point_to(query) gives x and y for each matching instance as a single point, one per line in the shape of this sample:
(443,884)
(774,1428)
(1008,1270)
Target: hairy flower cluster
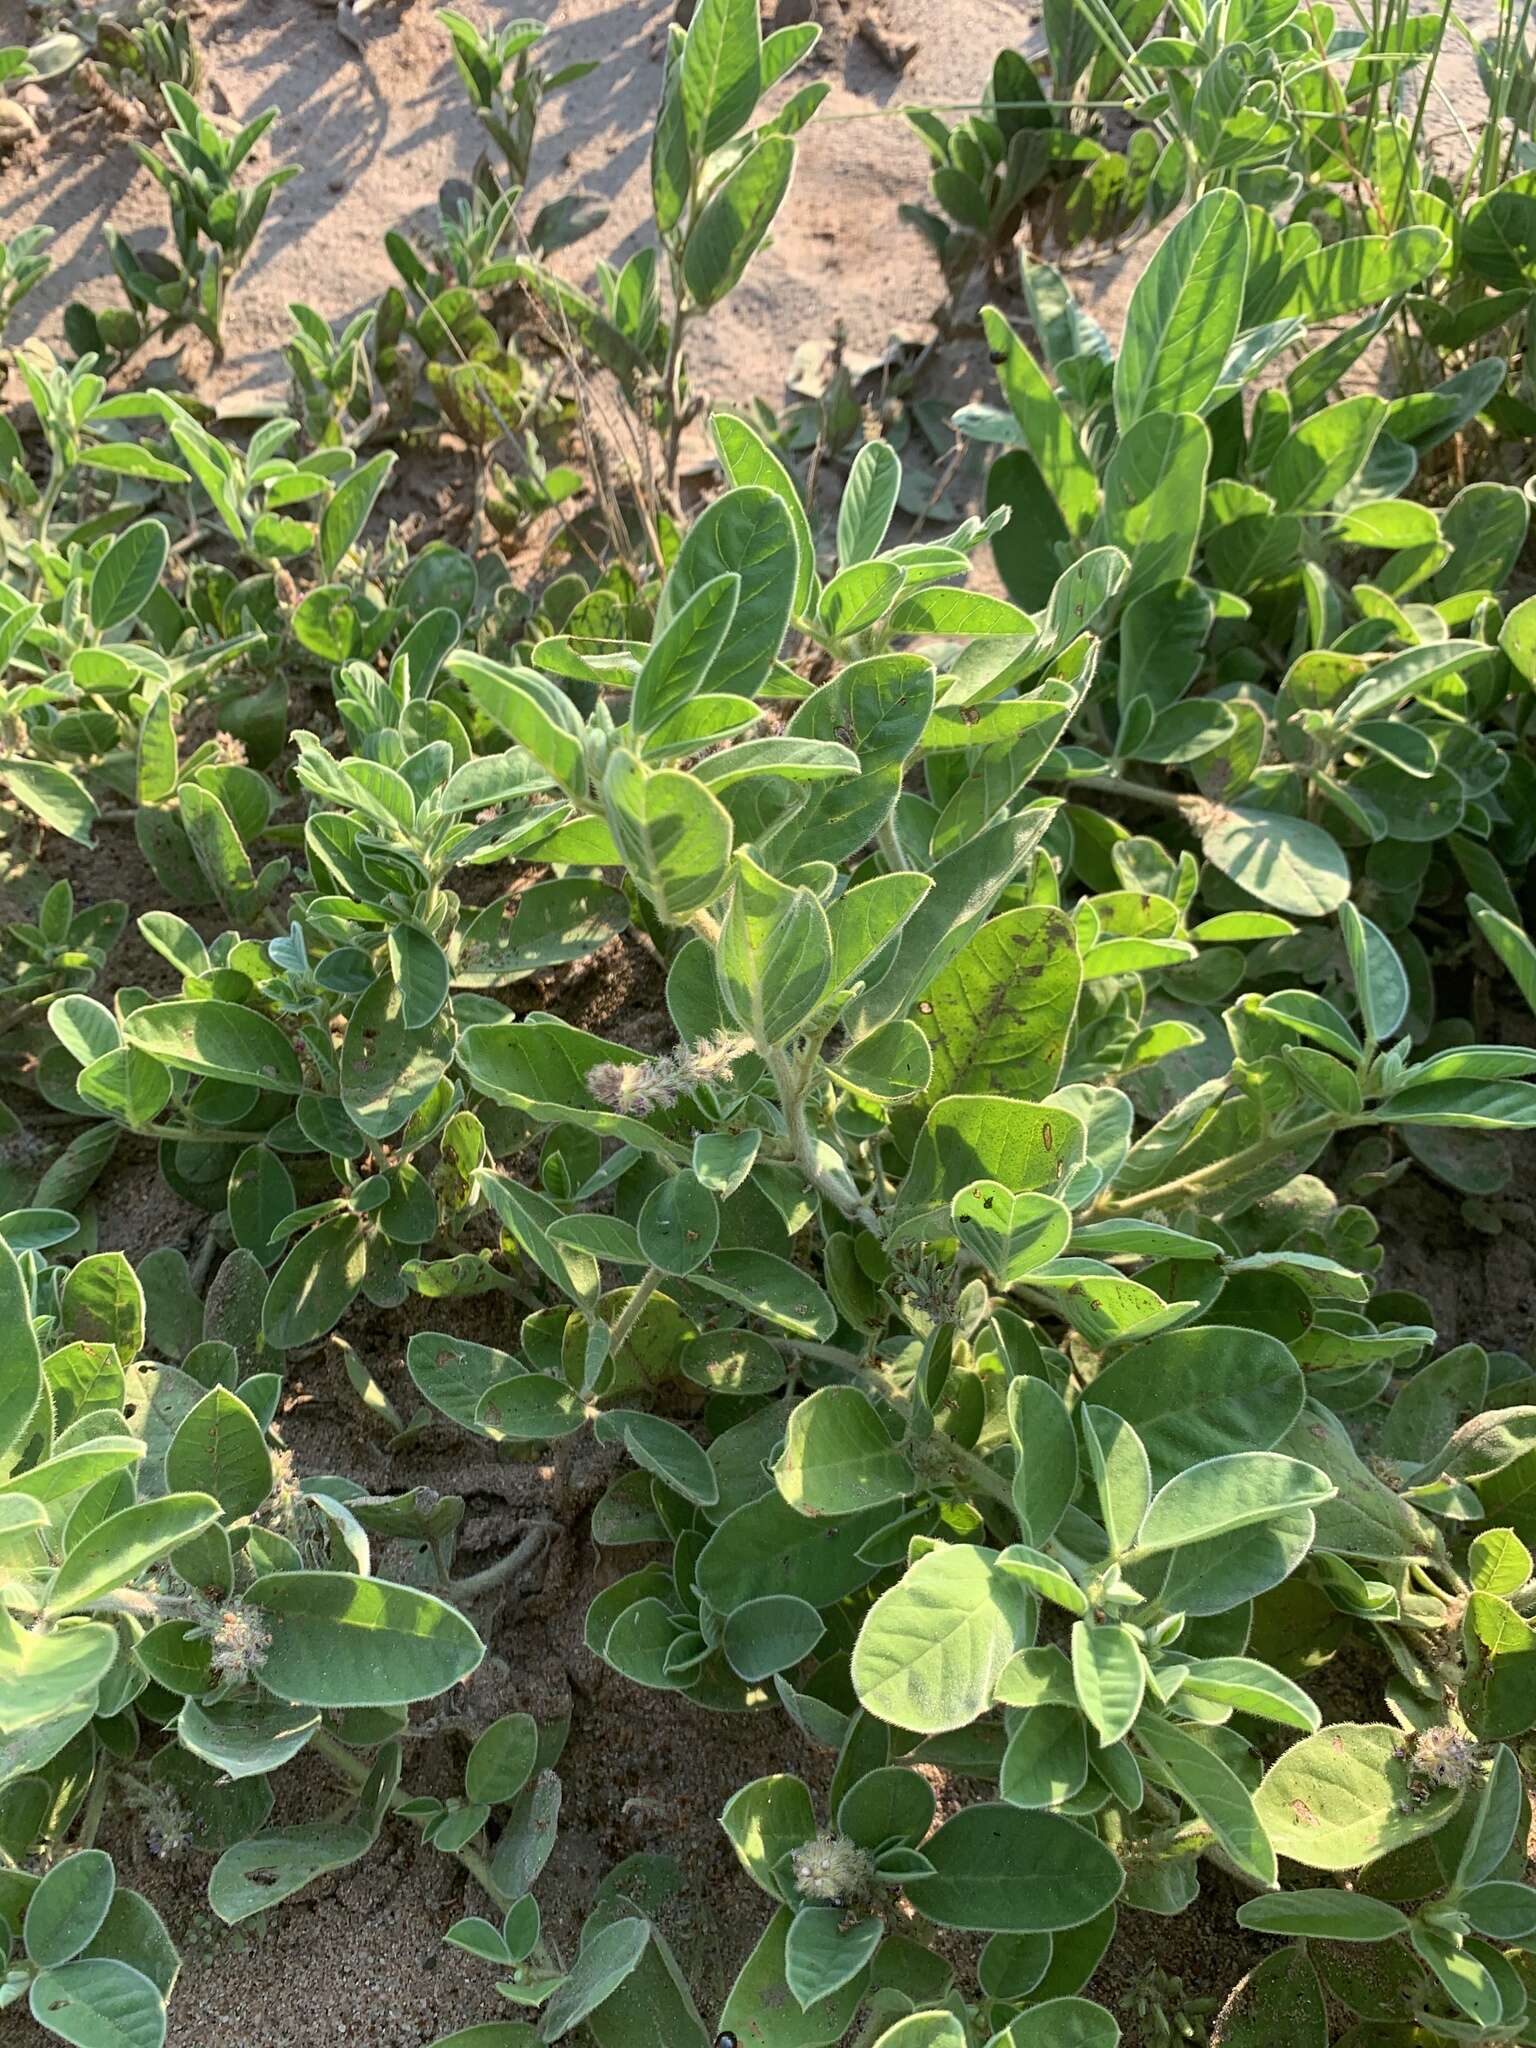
(659,1083)
(168,1827)
(1444,1756)
(280,1508)
(239,1637)
(830,1868)
(933,1286)
(230,751)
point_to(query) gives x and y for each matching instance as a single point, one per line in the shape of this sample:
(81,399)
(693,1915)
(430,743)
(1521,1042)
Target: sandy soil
(378,130)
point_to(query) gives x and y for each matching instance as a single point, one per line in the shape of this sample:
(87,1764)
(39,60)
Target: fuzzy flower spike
(659,1083)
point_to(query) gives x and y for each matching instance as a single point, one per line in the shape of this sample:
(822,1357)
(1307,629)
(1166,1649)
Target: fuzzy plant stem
(535,1538)
(802,1138)
(890,845)
(1120,785)
(23,1013)
(202,1264)
(671,378)
(95,1804)
(45,511)
(147,1607)
(1205,1179)
(151,1134)
(672,371)
(634,1308)
(824,1354)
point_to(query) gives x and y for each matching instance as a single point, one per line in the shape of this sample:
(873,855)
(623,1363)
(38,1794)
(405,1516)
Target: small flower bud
(1444,1756)
(831,1868)
(240,1640)
(168,1828)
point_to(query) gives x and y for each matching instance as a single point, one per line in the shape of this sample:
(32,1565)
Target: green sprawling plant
(61,954)
(507,106)
(1325,659)
(214,223)
(1005,1373)
(183,1614)
(971,1285)
(1017,152)
(716,186)
(24,263)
